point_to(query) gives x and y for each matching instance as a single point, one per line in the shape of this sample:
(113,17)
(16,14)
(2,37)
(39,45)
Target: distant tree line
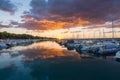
(6,35)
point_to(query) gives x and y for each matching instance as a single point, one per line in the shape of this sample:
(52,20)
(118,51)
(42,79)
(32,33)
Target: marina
(59,39)
(92,47)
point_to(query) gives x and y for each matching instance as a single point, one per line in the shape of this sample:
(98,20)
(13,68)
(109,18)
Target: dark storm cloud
(86,9)
(7,6)
(94,11)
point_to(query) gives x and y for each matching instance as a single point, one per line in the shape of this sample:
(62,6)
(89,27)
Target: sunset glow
(52,19)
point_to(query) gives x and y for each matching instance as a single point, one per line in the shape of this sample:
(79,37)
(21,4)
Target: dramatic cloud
(45,24)
(7,6)
(56,14)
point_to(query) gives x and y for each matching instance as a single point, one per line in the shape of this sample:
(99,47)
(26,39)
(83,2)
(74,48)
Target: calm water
(49,61)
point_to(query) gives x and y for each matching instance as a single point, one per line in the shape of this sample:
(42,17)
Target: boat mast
(103,34)
(113,35)
(83,34)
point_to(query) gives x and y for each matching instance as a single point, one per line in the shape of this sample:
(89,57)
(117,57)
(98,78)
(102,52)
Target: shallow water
(49,61)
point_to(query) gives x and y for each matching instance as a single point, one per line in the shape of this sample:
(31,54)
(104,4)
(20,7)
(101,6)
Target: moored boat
(117,56)
(108,48)
(3,45)
(72,46)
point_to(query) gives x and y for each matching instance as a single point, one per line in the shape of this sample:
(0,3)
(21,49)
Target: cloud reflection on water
(48,50)
(49,61)
(42,50)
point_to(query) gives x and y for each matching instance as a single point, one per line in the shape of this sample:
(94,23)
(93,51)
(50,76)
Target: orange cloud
(45,24)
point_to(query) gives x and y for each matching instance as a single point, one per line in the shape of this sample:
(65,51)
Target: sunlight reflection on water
(47,50)
(41,50)
(49,61)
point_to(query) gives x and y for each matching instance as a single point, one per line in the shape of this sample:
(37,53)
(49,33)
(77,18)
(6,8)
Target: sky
(61,18)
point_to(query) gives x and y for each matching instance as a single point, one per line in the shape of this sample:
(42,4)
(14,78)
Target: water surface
(49,61)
